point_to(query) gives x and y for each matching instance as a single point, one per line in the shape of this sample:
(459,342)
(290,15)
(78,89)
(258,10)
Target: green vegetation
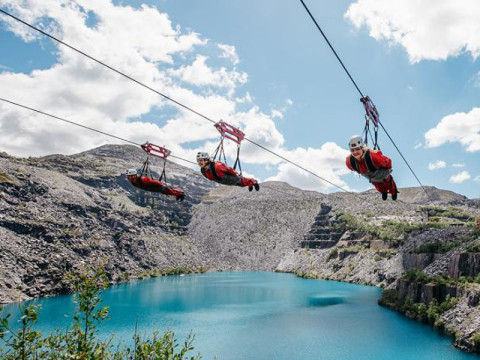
(389,297)
(353,249)
(71,232)
(418,276)
(4,178)
(80,341)
(451,212)
(173,270)
(476,338)
(474,247)
(436,247)
(389,230)
(429,313)
(306,274)
(332,254)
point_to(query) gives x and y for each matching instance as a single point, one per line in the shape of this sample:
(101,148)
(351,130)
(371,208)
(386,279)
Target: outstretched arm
(380,160)
(349,165)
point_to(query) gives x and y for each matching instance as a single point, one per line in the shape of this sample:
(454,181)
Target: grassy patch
(389,230)
(4,178)
(436,247)
(450,212)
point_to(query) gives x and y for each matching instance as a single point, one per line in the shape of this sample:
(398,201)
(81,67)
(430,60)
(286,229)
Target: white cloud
(278,113)
(427,29)
(460,177)
(199,74)
(477,178)
(459,127)
(438,164)
(229,52)
(328,162)
(458,165)
(247,99)
(418,145)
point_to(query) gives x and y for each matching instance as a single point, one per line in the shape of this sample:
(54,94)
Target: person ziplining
(373,115)
(371,163)
(218,171)
(143,179)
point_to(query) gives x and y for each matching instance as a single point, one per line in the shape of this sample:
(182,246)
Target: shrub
(333,253)
(389,297)
(476,338)
(390,230)
(436,247)
(415,275)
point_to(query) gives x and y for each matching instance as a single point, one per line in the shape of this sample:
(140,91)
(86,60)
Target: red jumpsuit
(226,175)
(381,178)
(148,184)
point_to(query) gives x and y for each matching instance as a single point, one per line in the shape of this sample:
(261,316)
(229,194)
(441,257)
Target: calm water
(263,316)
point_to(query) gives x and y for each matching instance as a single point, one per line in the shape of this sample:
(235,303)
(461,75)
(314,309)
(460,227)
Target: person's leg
(248,182)
(382,187)
(393,188)
(231,180)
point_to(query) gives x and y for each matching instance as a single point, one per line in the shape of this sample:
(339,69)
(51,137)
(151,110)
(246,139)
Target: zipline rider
(145,182)
(373,165)
(223,174)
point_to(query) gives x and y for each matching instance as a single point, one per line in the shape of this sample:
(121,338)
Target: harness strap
(211,167)
(368,161)
(163,175)
(353,162)
(237,161)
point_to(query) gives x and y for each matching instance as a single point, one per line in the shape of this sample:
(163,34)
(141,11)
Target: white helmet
(131,172)
(202,155)
(356,141)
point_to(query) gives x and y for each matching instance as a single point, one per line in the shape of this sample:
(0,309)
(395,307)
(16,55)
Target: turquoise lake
(259,315)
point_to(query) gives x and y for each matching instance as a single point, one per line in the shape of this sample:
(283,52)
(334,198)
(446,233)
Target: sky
(260,65)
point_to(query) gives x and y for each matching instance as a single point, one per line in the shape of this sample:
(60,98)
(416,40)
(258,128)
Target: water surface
(256,315)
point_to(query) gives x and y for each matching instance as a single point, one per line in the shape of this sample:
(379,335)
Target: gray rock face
(252,231)
(57,212)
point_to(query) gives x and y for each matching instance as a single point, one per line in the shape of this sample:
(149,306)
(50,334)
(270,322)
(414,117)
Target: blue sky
(418,70)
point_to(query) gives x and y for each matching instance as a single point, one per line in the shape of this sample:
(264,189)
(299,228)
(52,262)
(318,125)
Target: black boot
(384,195)
(257,186)
(394,195)
(395,192)
(250,188)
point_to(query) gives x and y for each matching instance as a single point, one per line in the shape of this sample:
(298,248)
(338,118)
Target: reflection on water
(325,300)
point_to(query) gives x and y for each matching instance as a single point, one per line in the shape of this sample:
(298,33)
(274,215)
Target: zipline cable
(113,136)
(361,94)
(331,47)
(106,65)
(83,126)
(168,98)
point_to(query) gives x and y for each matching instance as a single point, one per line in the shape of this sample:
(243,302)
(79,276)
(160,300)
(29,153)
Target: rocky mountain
(57,212)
